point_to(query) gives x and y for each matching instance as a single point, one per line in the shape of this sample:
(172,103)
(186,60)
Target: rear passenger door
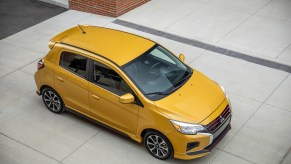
(71,82)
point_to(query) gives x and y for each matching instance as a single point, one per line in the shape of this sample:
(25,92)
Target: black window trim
(89,73)
(87,64)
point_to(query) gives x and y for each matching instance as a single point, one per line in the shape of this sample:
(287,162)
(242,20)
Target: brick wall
(113,8)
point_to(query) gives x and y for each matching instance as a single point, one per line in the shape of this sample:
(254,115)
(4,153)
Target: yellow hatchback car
(135,86)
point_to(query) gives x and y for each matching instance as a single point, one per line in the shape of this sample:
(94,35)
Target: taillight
(40,64)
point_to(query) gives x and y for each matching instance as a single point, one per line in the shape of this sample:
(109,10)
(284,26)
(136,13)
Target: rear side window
(74,63)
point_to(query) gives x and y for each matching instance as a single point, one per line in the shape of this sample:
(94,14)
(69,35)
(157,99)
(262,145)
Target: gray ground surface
(261,124)
(17,15)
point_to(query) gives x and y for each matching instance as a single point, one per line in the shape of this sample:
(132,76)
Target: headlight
(187,128)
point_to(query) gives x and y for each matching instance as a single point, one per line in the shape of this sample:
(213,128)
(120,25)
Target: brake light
(40,64)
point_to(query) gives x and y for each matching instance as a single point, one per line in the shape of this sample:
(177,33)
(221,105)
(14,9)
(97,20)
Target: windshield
(157,72)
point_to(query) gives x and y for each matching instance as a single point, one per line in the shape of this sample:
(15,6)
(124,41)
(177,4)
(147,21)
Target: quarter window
(108,79)
(74,63)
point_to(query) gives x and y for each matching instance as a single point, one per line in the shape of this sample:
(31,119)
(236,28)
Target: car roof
(118,46)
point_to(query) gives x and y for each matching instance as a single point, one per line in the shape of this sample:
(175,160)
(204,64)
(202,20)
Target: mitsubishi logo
(221,119)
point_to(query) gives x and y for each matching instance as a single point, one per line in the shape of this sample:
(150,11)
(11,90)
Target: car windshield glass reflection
(157,72)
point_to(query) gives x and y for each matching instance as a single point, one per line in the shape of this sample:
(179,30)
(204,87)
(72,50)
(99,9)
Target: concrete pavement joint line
(221,150)
(13,101)
(281,108)
(251,15)
(285,156)
(29,147)
(81,145)
(24,47)
(262,104)
(283,51)
(19,69)
(238,156)
(195,58)
(286,110)
(209,47)
(215,156)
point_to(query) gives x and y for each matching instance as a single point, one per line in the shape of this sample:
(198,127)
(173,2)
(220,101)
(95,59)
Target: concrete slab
(95,20)
(158,15)
(224,157)
(14,86)
(243,109)
(209,23)
(67,18)
(281,97)
(279,9)
(16,57)
(260,35)
(107,145)
(29,40)
(12,152)
(258,140)
(4,70)
(248,6)
(258,28)
(30,68)
(240,77)
(285,56)
(28,121)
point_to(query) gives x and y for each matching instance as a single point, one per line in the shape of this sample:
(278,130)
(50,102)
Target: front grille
(215,124)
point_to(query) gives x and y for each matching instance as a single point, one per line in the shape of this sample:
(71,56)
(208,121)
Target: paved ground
(16,15)
(256,27)
(31,134)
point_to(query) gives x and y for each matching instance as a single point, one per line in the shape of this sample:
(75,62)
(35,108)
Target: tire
(52,100)
(158,145)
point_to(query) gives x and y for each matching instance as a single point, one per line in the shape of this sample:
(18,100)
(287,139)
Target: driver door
(105,88)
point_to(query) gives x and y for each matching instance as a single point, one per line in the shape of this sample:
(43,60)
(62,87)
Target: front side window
(74,63)
(108,79)
(157,72)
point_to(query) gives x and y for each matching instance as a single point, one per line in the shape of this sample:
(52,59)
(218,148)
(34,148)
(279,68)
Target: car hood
(198,98)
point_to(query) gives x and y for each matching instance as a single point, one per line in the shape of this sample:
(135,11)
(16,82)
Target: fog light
(192,145)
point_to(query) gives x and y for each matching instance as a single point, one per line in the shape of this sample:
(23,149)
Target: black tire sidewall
(170,147)
(62,104)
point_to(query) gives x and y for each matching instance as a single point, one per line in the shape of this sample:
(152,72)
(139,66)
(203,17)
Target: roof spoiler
(61,36)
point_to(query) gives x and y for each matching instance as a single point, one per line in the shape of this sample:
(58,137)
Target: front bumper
(213,144)
(204,148)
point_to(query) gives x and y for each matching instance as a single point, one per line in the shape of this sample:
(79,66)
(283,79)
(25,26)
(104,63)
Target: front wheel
(52,100)
(158,145)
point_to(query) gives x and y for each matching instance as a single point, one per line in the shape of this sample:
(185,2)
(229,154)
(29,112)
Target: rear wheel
(52,100)
(158,145)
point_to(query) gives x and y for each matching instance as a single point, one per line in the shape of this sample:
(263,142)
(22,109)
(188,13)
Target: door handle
(95,97)
(60,79)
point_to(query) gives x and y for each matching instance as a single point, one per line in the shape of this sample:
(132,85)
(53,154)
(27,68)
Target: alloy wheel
(52,101)
(157,146)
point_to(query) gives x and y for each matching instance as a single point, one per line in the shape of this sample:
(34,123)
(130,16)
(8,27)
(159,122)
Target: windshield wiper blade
(156,93)
(183,78)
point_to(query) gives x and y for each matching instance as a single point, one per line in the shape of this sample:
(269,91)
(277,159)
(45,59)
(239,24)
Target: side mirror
(182,57)
(126,99)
